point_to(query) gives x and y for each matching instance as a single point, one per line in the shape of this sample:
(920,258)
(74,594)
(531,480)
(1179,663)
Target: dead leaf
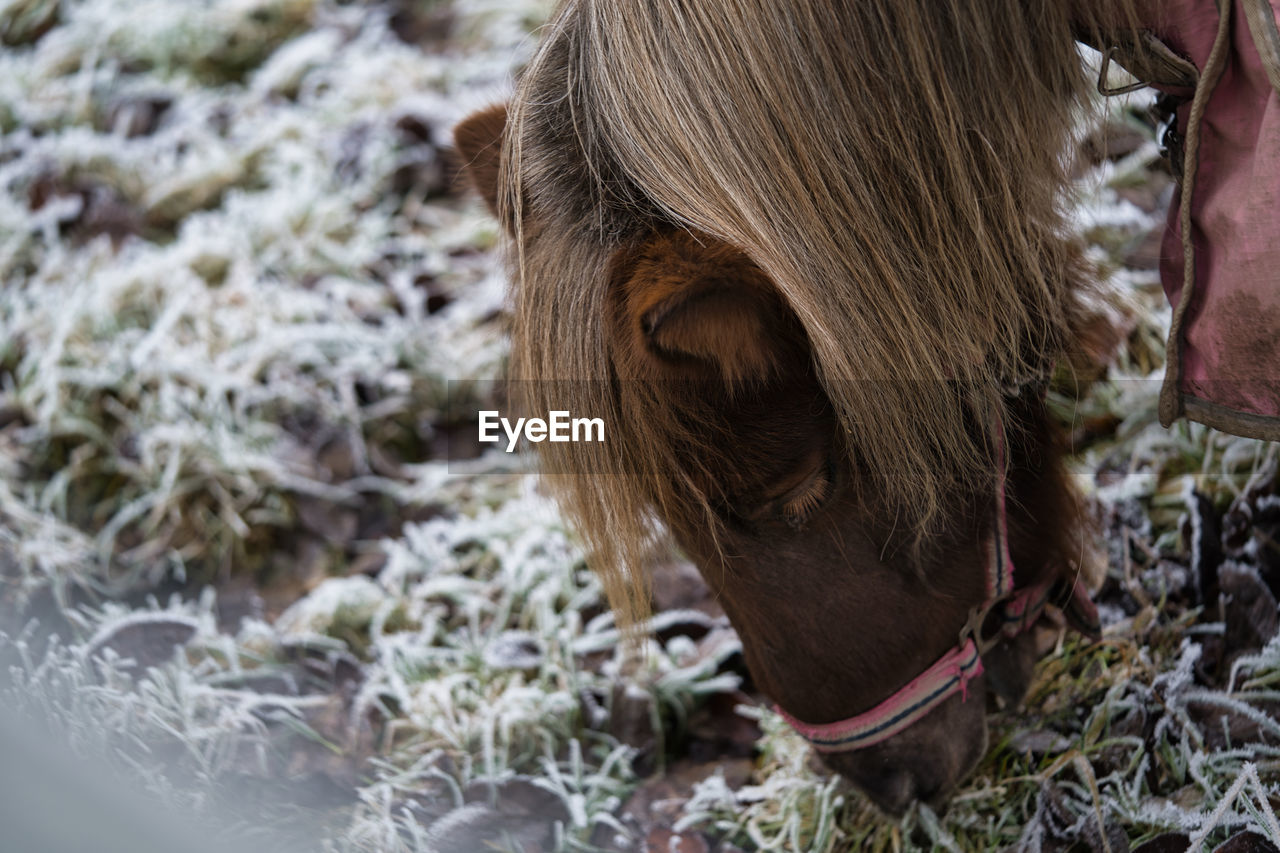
(1170,842)
(1246,842)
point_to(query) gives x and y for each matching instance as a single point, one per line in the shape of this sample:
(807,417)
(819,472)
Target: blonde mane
(897,169)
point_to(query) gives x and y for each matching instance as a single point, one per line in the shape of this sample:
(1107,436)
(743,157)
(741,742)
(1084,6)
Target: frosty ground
(240,285)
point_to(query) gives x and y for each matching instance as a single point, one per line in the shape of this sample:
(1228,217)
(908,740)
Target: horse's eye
(800,504)
(797,499)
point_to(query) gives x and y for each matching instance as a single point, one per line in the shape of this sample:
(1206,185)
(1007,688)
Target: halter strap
(952,672)
(1016,610)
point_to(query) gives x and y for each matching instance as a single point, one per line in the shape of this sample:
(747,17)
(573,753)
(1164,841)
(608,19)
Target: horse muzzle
(923,763)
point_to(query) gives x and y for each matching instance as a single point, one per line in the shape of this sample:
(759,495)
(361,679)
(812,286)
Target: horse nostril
(933,793)
(891,790)
(893,787)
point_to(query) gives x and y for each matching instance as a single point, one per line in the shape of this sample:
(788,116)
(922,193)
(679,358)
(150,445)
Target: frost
(337,601)
(283,72)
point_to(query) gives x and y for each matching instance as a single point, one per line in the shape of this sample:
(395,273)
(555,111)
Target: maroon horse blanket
(1220,262)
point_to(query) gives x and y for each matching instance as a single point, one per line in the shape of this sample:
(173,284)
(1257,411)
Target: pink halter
(1017,611)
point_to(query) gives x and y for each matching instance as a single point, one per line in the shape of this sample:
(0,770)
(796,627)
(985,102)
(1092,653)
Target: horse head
(849,439)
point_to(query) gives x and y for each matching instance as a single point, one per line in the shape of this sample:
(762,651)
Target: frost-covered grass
(235,288)
(471,638)
(1114,734)
(199,317)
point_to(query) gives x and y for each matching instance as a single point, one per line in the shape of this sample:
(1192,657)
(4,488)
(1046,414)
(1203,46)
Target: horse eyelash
(800,508)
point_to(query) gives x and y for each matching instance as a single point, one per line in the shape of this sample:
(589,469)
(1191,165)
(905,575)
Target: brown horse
(810,258)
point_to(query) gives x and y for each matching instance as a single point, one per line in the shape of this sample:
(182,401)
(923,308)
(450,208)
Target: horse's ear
(478,139)
(690,304)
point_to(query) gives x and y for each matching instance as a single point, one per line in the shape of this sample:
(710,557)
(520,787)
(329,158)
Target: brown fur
(800,250)
(697,299)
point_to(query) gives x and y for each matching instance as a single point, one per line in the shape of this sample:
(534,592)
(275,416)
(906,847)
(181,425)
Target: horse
(808,262)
